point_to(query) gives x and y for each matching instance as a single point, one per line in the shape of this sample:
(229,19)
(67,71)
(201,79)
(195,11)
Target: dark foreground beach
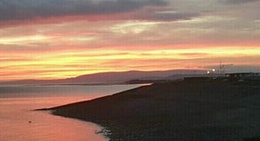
(190,110)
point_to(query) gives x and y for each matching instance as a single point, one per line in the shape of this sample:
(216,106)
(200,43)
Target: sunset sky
(49,39)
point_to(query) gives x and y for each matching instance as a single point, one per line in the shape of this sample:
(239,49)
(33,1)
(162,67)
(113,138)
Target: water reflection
(19,122)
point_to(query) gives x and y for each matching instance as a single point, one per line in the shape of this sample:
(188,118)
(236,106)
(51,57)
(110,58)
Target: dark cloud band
(31,9)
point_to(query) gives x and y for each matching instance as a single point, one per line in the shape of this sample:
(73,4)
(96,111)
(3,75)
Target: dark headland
(188,110)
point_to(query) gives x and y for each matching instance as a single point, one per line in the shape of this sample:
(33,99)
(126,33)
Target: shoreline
(184,110)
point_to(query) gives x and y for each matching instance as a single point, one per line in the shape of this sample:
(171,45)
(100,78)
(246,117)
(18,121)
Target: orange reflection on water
(18,122)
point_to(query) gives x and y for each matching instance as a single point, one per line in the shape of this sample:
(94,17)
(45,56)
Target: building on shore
(244,76)
(227,76)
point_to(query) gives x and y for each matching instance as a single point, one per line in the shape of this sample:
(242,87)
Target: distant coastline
(112,77)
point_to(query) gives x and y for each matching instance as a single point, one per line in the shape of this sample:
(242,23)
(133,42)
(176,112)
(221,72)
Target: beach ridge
(181,110)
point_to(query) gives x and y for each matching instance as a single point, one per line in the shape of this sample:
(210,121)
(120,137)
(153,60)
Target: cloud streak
(238,1)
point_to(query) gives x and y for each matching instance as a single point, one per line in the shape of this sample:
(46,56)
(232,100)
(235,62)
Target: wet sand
(180,111)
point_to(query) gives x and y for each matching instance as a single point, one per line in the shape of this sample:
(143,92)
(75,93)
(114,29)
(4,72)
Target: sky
(52,39)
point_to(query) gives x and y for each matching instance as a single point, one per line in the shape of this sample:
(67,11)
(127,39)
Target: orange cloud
(150,36)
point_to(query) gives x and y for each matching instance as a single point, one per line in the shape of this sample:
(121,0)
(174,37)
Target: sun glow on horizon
(70,64)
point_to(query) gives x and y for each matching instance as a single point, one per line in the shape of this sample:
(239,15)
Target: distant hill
(114,77)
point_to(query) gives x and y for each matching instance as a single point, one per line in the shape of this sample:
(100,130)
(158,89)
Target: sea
(20,122)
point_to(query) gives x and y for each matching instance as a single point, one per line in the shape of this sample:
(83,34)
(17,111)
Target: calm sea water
(19,122)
